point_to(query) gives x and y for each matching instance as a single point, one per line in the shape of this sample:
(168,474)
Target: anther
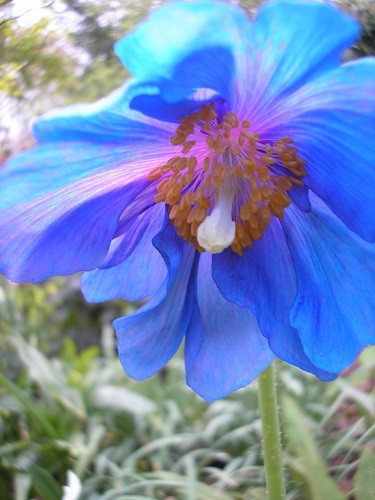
(227,160)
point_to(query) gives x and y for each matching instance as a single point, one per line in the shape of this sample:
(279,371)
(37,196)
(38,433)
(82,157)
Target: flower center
(226,183)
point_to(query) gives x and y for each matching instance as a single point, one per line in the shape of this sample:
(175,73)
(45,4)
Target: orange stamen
(234,157)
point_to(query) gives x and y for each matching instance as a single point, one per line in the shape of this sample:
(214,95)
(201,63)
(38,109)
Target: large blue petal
(140,274)
(61,202)
(148,338)
(334,306)
(263,281)
(332,121)
(84,140)
(66,230)
(224,348)
(293,41)
(183,47)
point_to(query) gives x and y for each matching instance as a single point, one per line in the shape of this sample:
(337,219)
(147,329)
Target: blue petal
(334,306)
(183,47)
(109,120)
(224,347)
(332,121)
(148,338)
(140,274)
(263,281)
(48,167)
(65,231)
(293,41)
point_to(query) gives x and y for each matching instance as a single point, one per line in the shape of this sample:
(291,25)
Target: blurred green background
(66,404)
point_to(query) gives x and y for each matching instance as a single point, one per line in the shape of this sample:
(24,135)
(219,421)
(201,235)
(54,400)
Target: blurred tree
(101,25)
(97,29)
(31,58)
(35,67)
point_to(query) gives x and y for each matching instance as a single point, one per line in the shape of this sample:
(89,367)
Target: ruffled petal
(135,220)
(176,52)
(141,203)
(148,221)
(142,272)
(332,123)
(181,48)
(224,347)
(66,230)
(292,42)
(148,338)
(263,281)
(334,306)
(148,100)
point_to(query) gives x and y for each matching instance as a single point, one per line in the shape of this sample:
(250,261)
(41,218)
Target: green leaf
(122,399)
(44,483)
(50,377)
(307,462)
(22,485)
(365,400)
(30,406)
(364,480)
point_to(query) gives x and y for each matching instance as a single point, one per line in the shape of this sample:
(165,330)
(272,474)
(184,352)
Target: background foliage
(65,403)
(66,409)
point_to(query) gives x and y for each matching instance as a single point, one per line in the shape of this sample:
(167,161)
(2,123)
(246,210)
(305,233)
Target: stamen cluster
(226,155)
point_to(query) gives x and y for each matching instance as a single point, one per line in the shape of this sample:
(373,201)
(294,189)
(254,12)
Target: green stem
(271,435)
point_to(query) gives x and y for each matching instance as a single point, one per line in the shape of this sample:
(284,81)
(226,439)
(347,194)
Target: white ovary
(218,230)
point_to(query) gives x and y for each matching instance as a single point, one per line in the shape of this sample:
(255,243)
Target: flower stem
(271,434)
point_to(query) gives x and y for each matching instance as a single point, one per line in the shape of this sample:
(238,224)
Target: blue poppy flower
(232,180)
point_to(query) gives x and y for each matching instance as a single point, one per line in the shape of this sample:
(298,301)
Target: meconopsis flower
(231,180)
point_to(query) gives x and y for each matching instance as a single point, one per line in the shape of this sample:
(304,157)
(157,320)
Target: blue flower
(232,180)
